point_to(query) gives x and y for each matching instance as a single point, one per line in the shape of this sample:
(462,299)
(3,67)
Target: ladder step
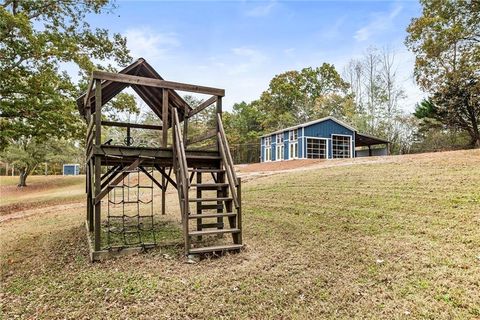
(216,231)
(209,185)
(211,215)
(126,186)
(206,170)
(212,157)
(209,199)
(216,225)
(211,206)
(216,248)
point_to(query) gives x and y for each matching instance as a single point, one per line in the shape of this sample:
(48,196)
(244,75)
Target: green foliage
(294,97)
(37,98)
(244,123)
(123,102)
(426,109)
(28,154)
(446,43)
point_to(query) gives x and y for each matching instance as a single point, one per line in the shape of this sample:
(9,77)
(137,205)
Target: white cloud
(245,60)
(261,10)
(380,22)
(333,31)
(289,52)
(143,42)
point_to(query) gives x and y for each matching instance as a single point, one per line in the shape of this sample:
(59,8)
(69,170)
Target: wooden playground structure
(215,194)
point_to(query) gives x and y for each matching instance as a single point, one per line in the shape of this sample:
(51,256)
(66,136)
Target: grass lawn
(396,240)
(41,191)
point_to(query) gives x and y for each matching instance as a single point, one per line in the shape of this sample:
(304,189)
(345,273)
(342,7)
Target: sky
(241,45)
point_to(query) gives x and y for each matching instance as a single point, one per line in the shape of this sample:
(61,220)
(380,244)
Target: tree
(244,123)
(28,154)
(37,98)
(446,43)
(378,96)
(294,97)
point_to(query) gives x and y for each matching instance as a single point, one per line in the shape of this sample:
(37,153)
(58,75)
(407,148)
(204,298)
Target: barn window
(316,148)
(293,135)
(341,146)
(280,147)
(268,150)
(293,146)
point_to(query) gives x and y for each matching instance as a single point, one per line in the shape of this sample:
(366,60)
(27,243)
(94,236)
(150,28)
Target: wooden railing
(90,136)
(181,173)
(227,158)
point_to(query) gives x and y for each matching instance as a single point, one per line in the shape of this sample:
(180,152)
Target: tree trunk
(476,143)
(475,135)
(23,178)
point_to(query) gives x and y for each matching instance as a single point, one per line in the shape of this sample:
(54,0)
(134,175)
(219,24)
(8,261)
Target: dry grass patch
(41,191)
(389,240)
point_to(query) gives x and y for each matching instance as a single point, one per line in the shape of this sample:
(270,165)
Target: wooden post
(164,189)
(165,141)
(185,129)
(239,210)
(90,196)
(219,112)
(199,203)
(97,165)
(129,137)
(165,118)
(220,194)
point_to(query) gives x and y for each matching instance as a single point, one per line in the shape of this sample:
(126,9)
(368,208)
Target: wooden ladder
(215,194)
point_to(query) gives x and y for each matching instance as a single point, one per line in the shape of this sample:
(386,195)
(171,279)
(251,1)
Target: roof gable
(307,124)
(152,96)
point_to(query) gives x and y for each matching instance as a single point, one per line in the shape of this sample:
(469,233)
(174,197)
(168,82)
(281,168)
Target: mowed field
(392,238)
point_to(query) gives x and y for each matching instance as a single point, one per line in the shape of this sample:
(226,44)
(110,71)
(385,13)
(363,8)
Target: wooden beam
(98,112)
(164,174)
(131,125)
(86,101)
(209,134)
(106,182)
(165,118)
(97,163)
(143,81)
(203,105)
(117,180)
(151,177)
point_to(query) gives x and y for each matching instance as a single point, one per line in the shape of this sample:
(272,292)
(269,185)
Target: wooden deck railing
(227,158)
(181,172)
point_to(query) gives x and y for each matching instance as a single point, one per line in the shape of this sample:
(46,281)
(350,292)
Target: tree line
(39,120)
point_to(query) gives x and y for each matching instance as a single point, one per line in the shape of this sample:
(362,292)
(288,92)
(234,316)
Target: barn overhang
(366,140)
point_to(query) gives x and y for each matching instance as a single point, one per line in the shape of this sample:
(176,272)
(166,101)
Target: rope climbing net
(130,211)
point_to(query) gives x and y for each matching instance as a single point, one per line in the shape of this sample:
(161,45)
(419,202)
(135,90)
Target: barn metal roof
(151,95)
(306,124)
(361,139)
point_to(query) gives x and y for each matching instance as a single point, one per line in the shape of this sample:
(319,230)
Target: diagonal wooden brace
(151,177)
(117,180)
(167,176)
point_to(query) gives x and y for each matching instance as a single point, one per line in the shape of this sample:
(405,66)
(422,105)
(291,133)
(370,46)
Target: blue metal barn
(326,138)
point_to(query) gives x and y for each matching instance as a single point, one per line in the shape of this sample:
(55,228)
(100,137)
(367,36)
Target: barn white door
(293,150)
